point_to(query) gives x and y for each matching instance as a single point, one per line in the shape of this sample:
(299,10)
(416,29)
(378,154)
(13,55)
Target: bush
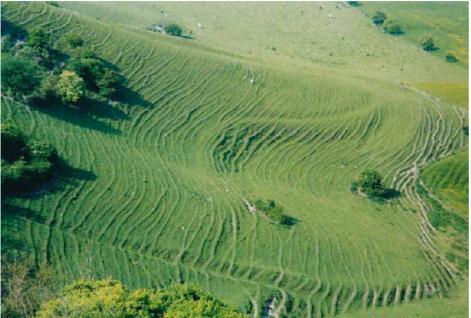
(107,298)
(25,163)
(20,76)
(70,87)
(108,83)
(450,57)
(273,211)
(379,18)
(370,183)
(427,43)
(393,28)
(354,3)
(174,29)
(74,40)
(39,39)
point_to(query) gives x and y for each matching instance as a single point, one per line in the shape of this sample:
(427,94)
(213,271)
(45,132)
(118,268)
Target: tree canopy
(173,29)
(379,18)
(108,298)
(20,76)
(70,87)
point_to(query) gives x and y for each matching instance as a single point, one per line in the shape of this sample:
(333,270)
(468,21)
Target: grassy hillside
(446,22)
(159,180)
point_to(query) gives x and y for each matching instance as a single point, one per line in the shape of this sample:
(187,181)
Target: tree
(174,29)
(354,3)
(39,39)
(108,298)
(427,43)
(74,40)
(70,87)
(392,27)
(20,76)
(379,18)
(370,183)
(108,83)
(13,143)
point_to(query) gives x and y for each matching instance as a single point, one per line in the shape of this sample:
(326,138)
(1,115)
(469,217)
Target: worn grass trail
(157,185)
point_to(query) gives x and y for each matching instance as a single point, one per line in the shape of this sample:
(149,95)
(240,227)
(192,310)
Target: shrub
(354,3)
(89,69)
(74,40)
(108,83)
(450,57)
(370,183)
(107,298)
(427,43)
(379,18)
(70,87)
(174,29)
(39,39)
(391,27)
(273,211)
(20,76)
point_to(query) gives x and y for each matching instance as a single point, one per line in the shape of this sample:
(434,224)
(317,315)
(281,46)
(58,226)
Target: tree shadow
(390,194)
(77,116)
(11,210)
(64,175)
(16,32)
(289,221)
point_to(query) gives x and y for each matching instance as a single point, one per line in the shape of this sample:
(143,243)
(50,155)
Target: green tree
(107,298)
(74,40)
(427,43)
(173,29)
(108,83)
(392,27)
(70,87)
(20,76)
(13,143)
(370,183)
(39,39)
(450,57)
(378,18)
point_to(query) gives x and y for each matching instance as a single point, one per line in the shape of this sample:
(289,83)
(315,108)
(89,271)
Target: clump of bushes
(108,298)
(354,3)
(26,163)
(369,183)
(272,211)
(427,43)
(173,29)
(378,18)
(41,75)
(392,27)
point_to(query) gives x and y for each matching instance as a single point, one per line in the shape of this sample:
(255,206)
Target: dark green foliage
(392,27)
(173,29)
(273,211)
(370,183)
(354,3)
(20,76)
(7,43)
(74,40)
(427,44)
(450,57)
(53,3)
(108,83)
(39,39)
(466,130)
(378,18)
(25,163)
(354,186)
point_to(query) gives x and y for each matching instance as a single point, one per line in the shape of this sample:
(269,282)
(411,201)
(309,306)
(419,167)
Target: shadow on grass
(11,210)
(289,221)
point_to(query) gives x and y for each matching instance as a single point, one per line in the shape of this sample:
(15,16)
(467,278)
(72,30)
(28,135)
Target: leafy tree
(70,87)
(370,183)
(107,298)
(74,40)
(379,18)
(427,43)
(20,76)
(39,39)
(392,27)
(173,29)
(273,211)
(108,83)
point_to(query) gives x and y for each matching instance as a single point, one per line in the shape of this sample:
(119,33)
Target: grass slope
(158,186)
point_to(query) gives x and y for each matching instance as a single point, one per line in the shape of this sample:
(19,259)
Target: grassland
(156,193)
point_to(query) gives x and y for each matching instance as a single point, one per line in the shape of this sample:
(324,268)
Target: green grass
(446,22)
(448,179)
(157,185)
(453,93)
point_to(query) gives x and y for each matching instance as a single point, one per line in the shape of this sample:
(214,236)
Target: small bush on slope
(379,18)
(174,29)
(108,298)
